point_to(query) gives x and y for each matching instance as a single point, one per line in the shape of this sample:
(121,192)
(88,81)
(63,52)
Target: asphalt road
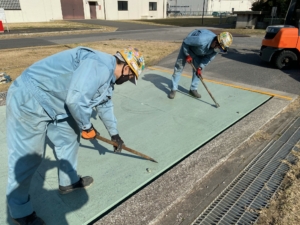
(241,64)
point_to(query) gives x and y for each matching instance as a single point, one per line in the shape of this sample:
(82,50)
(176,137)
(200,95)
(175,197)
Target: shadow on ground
(49,200)
(250,56)
(165,84)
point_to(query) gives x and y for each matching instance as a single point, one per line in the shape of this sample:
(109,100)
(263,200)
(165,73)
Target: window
(152,6)
(10,4)
(122,5)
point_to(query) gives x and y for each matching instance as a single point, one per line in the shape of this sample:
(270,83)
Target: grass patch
(51,24)
(14,61)
(254,32)
(284,207)
(197,22)
(187,22)
(21,30)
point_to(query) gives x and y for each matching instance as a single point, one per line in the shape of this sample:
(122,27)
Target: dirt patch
(14,61)
(284,207)
(21,30)
(51,24)
(251,32)
(188,22)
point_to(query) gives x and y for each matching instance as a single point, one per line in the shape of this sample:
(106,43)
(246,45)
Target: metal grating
(10,4)
(251,190)
(3,98)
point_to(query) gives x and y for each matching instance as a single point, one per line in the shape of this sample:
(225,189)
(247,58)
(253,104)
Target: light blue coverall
(55,96)
(197,45)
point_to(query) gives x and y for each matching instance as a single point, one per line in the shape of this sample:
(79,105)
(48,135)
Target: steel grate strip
(3,98)
(255,185)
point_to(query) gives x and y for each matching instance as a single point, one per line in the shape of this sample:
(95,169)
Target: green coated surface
(166,130)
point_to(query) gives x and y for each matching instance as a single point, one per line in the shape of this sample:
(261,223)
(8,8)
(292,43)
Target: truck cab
(281,44)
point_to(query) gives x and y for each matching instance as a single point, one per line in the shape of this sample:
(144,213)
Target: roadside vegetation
(21,30)
(63,24)
(284,208)
(190,22)
(14,61)
(207,22)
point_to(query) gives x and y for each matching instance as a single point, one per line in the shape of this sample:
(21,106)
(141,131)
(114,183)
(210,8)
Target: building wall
(244,20)
(210,5)
(47,10)
(137,9)
(186,5)
(35,11)
(227,5)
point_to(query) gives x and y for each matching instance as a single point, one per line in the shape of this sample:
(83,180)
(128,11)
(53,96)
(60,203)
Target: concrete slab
(149,122)
(180,194)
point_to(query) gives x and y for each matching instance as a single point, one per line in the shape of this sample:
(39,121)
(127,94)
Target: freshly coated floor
(149,122)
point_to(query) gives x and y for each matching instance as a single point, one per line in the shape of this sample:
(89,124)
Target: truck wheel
(285,59)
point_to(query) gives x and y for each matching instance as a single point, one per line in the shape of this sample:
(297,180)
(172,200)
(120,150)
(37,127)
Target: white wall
(210,5)
(47,10)
(137,9)
(186,5)
(35,11)
(227,5)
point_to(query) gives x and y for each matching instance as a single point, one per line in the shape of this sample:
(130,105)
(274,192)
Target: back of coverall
(55,96)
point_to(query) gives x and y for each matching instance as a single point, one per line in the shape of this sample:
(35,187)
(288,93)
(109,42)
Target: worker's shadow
(247,56)
(251,56)
(162,83)
(48,204)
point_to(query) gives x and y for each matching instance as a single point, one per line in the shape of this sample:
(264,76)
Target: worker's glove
(199,72)
(189,59)
(116,138)
(90,133)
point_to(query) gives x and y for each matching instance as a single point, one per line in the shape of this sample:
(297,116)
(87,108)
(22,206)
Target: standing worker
(199,47)
(56,96)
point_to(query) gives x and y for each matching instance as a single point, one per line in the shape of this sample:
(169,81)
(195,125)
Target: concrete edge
(204,192)
(155,202)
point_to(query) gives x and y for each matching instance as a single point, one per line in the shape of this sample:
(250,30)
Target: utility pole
(203,11)
(104,9)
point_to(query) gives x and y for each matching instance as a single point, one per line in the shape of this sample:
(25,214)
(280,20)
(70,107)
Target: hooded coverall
(197,45)
(55,96)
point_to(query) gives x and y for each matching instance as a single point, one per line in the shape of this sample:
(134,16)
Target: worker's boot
(194,93)
(83,182)
(32,219)
(172,94)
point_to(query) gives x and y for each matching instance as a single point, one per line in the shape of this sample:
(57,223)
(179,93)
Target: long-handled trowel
(125,148)
(201,79)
